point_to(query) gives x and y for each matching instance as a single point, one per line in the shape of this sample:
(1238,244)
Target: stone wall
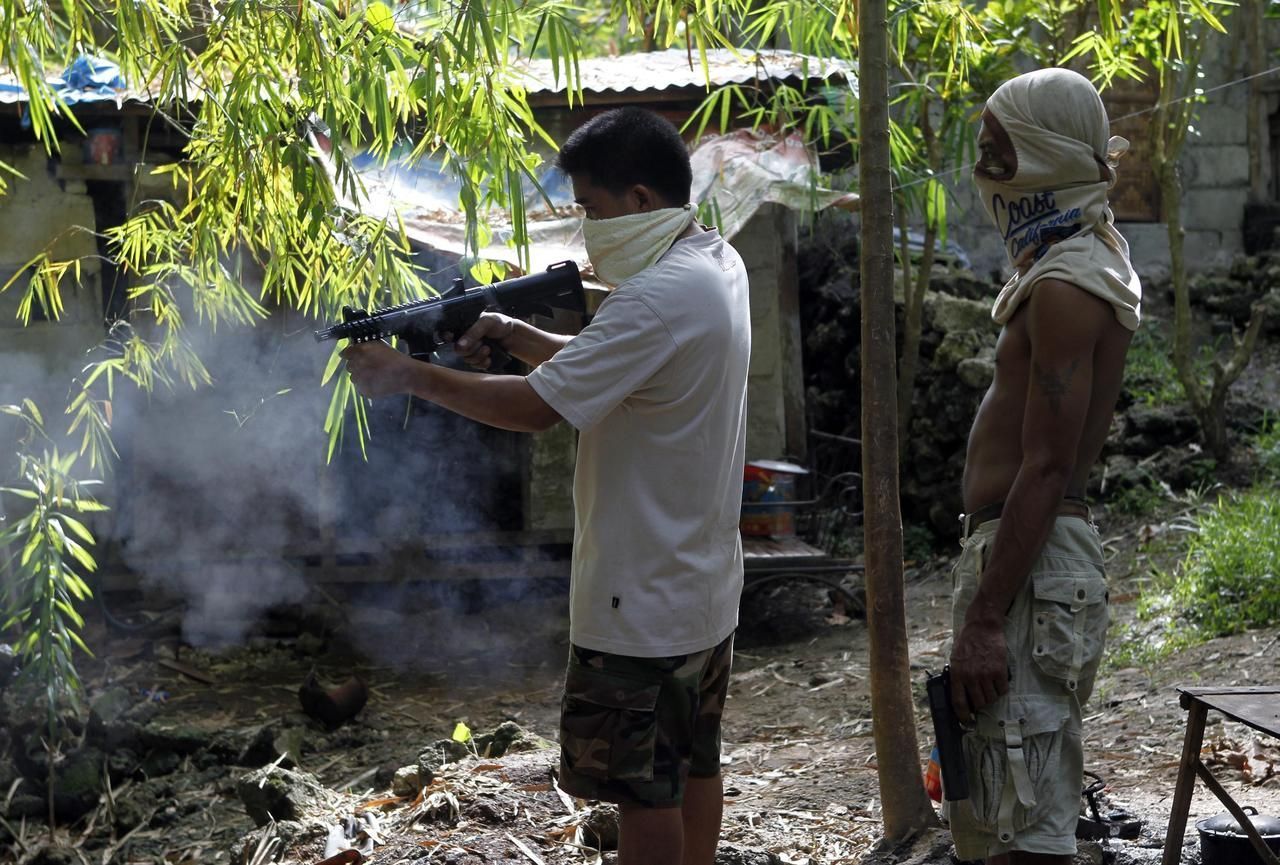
(1149,444)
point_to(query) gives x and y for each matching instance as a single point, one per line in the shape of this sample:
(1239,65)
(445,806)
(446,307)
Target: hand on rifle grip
(498,356)
(488,332)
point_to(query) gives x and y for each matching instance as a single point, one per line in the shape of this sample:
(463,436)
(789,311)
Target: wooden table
(1258,708)
(769,560)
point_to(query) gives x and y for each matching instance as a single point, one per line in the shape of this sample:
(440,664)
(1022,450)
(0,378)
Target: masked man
(1030,595)
(656,384)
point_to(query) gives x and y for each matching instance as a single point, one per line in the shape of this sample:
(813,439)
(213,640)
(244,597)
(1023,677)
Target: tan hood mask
(1053,212)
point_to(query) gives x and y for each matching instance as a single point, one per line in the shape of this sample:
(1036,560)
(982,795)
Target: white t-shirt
(657,386)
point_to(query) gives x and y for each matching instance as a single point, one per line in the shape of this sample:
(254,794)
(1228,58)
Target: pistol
(949,733)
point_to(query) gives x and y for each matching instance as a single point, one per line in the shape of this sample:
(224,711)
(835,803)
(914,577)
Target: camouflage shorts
(632,730)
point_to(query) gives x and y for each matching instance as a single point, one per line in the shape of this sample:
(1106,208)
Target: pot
(1223,842)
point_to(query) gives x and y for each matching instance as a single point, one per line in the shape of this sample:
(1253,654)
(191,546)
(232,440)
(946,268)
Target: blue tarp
(88,79)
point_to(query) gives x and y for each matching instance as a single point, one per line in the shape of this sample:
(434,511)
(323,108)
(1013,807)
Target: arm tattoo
(1055,385)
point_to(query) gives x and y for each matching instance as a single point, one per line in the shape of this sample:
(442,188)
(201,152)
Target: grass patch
(1150,377)
(1266,445)
(1140,500)
(1149,374)
(1226,581)
(1230,579)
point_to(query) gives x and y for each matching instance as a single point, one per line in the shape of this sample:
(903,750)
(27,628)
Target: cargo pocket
(1069,626)
(608,725)
(1010,761)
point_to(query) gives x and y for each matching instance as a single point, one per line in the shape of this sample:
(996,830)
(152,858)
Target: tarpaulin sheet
(87,79)
(734,175)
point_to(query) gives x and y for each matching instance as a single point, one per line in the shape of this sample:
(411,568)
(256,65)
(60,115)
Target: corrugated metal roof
(652,71)
(678,69)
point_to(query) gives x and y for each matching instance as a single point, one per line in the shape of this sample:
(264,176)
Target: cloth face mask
(1030,220)
(621,247)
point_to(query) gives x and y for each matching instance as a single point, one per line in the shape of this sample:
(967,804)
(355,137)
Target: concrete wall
(775,395)
(40,360)
(1215,174)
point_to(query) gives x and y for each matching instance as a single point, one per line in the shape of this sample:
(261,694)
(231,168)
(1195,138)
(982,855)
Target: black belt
(1068,507)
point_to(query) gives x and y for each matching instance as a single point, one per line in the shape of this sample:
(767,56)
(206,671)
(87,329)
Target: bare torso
(994,453)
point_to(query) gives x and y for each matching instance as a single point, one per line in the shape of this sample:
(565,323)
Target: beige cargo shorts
(1024,756)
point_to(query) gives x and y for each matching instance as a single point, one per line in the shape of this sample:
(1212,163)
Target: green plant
(1230,577)
(918,543)
(1226,580)
(1266,445)
(41,554)
(1149,374)
(1142,499)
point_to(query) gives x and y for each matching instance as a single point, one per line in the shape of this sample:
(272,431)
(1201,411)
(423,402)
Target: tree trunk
(1208,404)
(907,809)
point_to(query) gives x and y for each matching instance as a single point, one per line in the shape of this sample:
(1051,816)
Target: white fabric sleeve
(625,345)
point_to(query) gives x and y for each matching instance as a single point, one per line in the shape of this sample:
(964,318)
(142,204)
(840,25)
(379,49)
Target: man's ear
(643,198)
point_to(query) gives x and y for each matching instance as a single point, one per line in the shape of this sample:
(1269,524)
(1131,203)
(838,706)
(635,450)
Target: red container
(768,499)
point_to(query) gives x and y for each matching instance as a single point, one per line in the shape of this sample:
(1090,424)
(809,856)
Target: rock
(735,854)
(172,735)
(291,742)
(977,372)
(407,781)
(949,314)
(1122,472)
(27,805)
(160,762)
(8,769)
(387,772)
(957,347)
(600,827)
(8,664)
(442,752)
(132,811)
(284,832)
(508,737)
(309,644)
(107,708)
(1152,428)
(259,749)
(56,856)
(121,764)
(78,782)
(283,794)
(116,720)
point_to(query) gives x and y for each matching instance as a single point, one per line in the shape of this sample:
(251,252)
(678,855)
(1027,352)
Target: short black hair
(627,146)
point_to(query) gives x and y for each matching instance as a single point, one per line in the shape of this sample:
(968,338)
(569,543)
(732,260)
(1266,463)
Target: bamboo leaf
(79,528)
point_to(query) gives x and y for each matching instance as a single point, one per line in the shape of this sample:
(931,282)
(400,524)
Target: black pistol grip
(498,356)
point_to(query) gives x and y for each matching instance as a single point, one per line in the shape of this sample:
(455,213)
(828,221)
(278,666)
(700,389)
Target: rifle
(949,733)
(422,324)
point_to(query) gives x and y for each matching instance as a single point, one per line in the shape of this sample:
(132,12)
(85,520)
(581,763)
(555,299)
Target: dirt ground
(800,773)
